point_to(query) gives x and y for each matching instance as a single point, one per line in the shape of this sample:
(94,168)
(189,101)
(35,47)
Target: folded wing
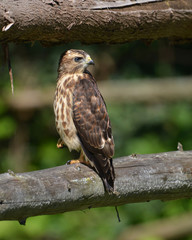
(94,129)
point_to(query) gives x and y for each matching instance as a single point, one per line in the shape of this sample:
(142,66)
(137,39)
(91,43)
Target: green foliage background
(28,139)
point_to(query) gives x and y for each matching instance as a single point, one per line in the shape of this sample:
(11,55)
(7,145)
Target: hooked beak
(89,61)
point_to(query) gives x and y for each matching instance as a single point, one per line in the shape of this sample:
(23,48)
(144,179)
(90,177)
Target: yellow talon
(60,143)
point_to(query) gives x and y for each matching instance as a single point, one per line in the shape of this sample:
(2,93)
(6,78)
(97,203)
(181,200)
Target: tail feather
(106,173)
(108,177)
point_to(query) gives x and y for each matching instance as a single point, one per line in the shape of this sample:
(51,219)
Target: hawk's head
(74,61)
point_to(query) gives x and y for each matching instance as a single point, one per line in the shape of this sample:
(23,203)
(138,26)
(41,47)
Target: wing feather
(93,127)
(91,118)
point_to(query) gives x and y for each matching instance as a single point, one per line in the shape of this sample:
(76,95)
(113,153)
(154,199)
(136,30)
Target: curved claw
(80,160)
(73,161)
(60,143)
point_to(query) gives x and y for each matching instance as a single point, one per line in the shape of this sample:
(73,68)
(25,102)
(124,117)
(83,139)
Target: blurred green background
(28,136)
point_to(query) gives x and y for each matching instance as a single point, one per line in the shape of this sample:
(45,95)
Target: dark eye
(77,59)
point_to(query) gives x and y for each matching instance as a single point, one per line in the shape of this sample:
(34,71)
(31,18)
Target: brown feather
(81,116)
(94,128)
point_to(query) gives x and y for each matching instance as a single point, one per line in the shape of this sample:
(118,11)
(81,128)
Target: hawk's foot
(60,143)
(80,160)
(73,161)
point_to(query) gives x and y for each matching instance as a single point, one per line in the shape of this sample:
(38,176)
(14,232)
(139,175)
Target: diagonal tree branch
(139,178)
(98,5)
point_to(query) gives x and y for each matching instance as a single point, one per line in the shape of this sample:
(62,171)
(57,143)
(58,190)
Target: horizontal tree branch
(58,21)
(177,227)
(139,178)
(142,91)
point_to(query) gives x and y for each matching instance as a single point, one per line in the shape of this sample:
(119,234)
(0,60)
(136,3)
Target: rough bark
(139,178)
(58,21)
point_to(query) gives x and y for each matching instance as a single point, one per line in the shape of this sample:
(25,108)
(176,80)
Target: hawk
(81,116)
